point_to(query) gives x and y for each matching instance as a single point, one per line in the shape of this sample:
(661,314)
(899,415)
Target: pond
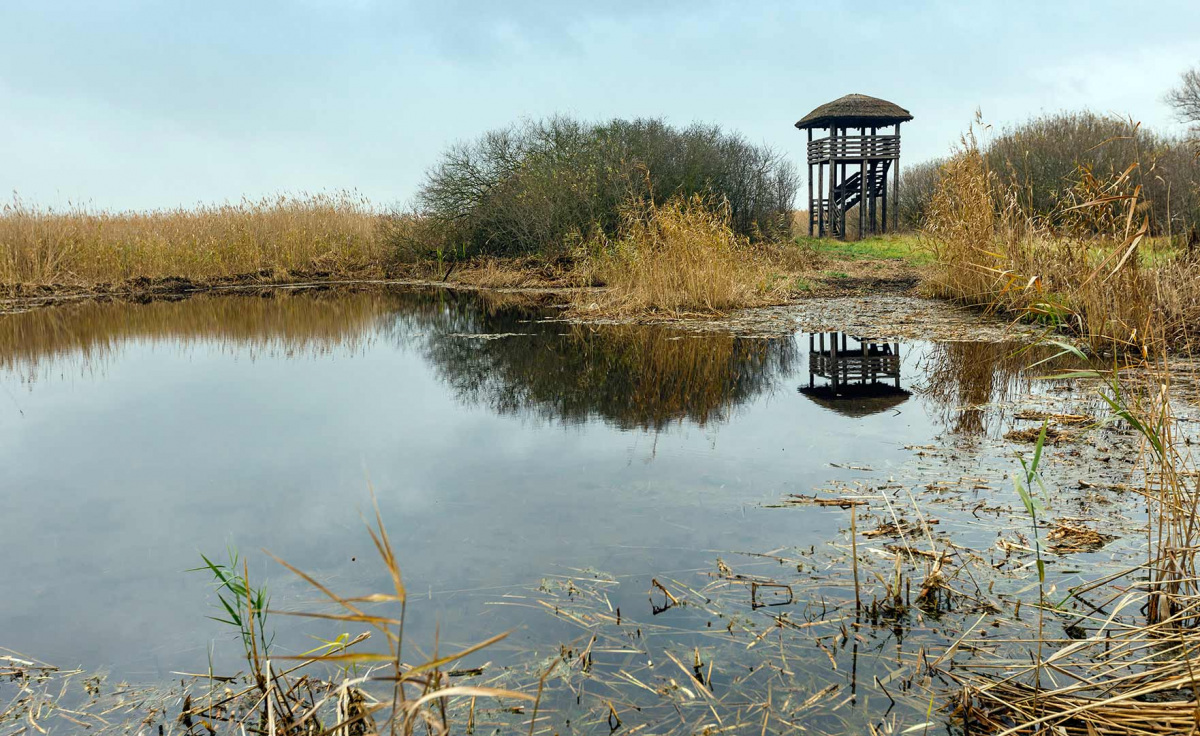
(505,447)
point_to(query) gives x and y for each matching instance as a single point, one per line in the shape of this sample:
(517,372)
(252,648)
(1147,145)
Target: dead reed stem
(682,257)
(1082,269)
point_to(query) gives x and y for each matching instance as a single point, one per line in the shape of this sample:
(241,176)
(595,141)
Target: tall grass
(1042,160)
(1088,268)
(681,257)
(395,693)
(332,233)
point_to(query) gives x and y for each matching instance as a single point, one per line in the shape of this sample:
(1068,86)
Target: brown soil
(531,275)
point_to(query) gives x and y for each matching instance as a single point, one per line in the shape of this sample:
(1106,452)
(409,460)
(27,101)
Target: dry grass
(1131,666)
(338,688)
(684,257)
(1090,270)
(330,233)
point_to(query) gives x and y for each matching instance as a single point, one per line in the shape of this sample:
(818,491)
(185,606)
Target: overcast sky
(136,105)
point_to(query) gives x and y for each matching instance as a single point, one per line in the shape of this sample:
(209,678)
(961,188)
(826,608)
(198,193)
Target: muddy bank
(899,314)
(521,276)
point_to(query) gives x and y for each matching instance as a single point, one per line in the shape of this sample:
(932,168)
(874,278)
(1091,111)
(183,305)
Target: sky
(142,105)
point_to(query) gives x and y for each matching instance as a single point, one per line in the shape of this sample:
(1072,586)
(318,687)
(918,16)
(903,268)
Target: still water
(502,448)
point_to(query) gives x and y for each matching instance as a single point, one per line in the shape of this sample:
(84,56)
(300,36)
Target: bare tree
(1186,97)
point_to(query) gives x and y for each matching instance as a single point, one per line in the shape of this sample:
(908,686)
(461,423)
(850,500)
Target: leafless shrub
(545,186)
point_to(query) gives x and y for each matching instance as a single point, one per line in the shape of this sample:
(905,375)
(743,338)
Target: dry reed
(682,257)
(271,237)
(1090,269)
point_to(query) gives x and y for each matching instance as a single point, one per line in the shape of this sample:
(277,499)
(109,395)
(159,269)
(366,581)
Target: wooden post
(833,181)
(883,205)
(820,200)
(862,190)
(811,358)
(896,183)
(833,358)
(874,172)
(808,153)
(842,204)
(834,222)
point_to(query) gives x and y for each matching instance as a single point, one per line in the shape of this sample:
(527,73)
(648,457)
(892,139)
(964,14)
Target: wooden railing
(853,364)
(854,147)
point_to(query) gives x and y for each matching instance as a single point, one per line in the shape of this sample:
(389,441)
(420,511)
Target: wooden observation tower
(852,169)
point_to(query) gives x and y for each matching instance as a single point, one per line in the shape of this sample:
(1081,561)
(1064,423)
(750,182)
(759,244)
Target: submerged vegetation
(336,688)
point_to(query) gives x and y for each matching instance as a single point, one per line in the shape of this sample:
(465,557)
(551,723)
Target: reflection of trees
(277,322)
(961,379)
(632,376)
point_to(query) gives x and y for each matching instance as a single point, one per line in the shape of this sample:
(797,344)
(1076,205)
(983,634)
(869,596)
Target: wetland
(674,520)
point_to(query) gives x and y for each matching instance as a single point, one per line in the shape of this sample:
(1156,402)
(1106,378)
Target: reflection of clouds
(111,488)
(490,349)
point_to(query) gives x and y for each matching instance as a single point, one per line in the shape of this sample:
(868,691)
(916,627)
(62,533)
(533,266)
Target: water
(503,449)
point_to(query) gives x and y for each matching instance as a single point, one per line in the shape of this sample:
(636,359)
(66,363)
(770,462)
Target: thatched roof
(857,400)
(855,111)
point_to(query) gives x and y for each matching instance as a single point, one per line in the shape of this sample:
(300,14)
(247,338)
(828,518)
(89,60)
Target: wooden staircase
(848,194)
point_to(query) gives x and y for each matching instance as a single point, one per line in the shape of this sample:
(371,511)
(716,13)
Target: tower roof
(854,111)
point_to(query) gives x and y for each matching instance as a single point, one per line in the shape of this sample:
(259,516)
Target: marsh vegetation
(684,534)
(281,238)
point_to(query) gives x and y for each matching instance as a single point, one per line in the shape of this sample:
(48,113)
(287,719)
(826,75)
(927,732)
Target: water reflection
(967,384)
(274,322)
(859,378)
(492,350)
(499,351)
(175,442)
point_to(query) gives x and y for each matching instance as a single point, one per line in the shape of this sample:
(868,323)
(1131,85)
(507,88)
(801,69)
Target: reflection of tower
(862,378)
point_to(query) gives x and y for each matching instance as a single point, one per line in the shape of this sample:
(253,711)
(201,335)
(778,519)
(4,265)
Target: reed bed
(1090,269)
(1124,677)
(268,238)
(684,257)
(1129,664)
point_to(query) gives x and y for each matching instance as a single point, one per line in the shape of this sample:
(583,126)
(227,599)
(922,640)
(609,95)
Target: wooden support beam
(810,189)
(862,194)
(896,184)
(821,200)
(874,194)
(884,205)
(842,204)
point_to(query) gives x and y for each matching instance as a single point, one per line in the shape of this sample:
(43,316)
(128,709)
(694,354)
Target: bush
(917,185)
(1081,268)
(1046,159)
(1048,162)
(680,257)
(542,187)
